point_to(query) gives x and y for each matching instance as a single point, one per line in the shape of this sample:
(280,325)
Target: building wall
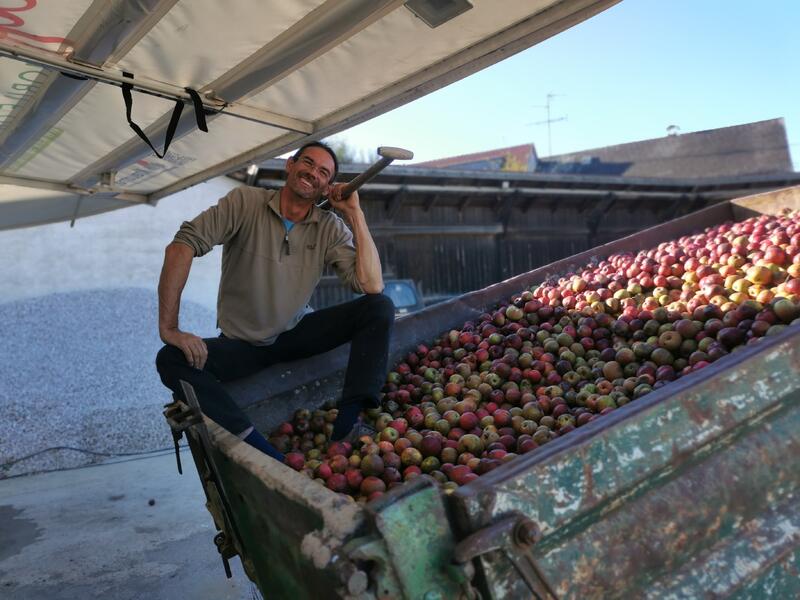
(123,248)
(451,248)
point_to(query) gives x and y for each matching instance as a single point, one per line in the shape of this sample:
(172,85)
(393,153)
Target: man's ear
(326,190)
(290,162)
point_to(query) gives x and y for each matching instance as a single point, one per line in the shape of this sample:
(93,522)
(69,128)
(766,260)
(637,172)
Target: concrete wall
(123,248)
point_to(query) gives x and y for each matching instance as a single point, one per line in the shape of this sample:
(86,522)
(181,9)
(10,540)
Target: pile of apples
(561,355)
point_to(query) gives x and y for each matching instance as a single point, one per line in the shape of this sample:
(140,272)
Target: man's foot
(358,430)
(349,412)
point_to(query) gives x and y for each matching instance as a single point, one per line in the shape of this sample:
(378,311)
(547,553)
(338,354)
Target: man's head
(311,171)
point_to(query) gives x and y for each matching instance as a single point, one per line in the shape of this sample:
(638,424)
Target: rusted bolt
(469,570)
(357,583)
(526,532)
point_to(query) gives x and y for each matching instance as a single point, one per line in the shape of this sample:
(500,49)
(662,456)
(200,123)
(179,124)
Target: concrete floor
(91,533)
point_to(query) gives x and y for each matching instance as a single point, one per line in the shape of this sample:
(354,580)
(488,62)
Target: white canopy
(269,75)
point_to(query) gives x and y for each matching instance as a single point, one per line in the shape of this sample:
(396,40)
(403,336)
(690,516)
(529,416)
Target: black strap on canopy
(173,122)
(199,111)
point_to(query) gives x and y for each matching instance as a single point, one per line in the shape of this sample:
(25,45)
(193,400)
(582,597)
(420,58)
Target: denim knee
(168,356)
(381,306)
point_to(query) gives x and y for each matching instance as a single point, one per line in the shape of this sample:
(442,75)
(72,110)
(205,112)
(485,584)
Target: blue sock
(256,440)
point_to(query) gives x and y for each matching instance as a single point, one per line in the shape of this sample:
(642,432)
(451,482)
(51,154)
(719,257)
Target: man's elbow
(373,289)
(369,286)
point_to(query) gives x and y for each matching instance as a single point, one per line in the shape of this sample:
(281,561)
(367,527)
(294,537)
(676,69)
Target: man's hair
(324,146)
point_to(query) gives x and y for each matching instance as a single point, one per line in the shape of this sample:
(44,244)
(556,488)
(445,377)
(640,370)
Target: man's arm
(368,263)
(174,274)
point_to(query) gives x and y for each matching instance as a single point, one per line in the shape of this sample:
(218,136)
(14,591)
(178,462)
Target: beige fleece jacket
(268,275)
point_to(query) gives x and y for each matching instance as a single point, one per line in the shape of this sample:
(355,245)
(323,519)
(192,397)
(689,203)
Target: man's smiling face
(309,176)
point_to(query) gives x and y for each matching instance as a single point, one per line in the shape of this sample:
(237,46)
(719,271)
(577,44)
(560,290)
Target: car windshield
(401,294)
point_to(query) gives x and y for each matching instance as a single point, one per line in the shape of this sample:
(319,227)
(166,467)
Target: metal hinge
(226,550)
(179,418)
(514,536)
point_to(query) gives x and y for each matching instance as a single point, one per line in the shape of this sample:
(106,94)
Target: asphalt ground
(130,529)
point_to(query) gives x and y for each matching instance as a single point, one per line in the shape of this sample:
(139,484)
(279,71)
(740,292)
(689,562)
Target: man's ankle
(345,420)
(256,440)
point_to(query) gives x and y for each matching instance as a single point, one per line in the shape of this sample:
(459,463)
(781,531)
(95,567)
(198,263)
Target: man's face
(309,176)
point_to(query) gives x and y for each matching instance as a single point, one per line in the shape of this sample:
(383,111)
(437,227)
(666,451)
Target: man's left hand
(348,205)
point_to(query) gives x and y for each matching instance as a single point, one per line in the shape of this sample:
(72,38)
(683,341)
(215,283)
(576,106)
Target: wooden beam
(505,207)
(594,218)
(394,202)
(499,204)
(527,204)
(675,206)
(697,202)
(430,200)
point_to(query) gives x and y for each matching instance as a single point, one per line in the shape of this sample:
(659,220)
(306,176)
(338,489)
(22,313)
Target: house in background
(750,149)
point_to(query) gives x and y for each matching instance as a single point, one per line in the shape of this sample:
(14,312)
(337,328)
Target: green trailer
(690,491)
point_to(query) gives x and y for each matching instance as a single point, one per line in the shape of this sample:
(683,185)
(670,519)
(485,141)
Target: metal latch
(228,541)
(179,418)
(514,536)
(226,550)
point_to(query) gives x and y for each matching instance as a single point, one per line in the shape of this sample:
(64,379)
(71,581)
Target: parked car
(405,295)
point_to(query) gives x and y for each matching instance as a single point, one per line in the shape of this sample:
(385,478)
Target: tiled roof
(749,149)
(514,158)
(752,148)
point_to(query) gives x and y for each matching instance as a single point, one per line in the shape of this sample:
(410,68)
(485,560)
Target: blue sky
(624,75)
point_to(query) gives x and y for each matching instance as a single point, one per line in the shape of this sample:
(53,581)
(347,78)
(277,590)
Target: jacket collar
(274,202)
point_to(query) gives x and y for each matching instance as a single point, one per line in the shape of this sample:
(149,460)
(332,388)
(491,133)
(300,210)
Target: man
(275,247)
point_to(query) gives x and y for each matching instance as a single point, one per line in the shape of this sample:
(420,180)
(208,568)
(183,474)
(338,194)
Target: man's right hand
(192,346)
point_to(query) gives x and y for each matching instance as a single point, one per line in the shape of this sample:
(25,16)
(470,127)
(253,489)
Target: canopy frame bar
(105,33)
(148,86)
(55,186)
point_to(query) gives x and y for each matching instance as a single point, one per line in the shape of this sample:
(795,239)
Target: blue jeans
(365,322)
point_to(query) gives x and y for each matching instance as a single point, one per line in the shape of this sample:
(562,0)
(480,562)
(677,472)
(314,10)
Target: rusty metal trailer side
(691,490)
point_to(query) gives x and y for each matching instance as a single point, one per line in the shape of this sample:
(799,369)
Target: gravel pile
(78,369)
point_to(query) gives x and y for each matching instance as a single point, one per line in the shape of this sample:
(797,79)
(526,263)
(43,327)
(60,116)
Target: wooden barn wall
(453,245)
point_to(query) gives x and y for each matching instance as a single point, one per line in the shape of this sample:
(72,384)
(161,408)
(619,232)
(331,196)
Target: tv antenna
(549,121)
